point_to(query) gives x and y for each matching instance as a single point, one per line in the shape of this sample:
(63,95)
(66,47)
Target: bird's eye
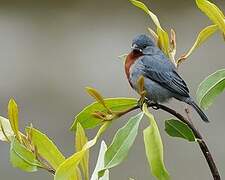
(144,46)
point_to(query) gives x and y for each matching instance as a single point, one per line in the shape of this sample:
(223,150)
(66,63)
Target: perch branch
(200,140)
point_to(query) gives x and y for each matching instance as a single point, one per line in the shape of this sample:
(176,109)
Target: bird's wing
(158,68)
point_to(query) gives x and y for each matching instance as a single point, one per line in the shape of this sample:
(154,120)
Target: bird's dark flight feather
(165,75)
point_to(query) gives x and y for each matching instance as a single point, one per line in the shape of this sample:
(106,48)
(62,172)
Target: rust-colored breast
(131,58)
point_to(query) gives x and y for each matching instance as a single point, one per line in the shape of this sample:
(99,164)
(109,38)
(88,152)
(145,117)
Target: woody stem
(201,142)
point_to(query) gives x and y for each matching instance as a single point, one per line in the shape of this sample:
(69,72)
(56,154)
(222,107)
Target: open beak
(136,48)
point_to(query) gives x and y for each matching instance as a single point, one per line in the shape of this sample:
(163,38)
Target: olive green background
(51,50)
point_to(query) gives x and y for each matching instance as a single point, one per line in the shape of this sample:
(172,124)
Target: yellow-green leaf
(121,144)
(97,96)
(46,148)
(163,37)
(86,118)
(145,8)
(22,158)
(153,33)
(213,12)
(140,84)
(173,44)
(13,117)
(210,88)
(202,36)
(66,169)
(6,132)
(76,175)
(81,140)
(100,164)
(154,148)
(163,41)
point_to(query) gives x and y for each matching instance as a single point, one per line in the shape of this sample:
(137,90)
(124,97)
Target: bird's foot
(150,103)
(141,101)
(155,107)
(153,104)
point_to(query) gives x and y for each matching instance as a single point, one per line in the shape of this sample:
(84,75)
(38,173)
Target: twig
(121,113)
(44,164)
(187,111)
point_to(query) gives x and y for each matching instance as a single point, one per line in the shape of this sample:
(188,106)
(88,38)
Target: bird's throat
(130,60)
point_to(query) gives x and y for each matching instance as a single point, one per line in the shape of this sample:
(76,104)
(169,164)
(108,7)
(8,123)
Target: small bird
(161,80)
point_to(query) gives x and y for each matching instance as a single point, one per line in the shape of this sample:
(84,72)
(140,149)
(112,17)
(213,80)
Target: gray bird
(161,80)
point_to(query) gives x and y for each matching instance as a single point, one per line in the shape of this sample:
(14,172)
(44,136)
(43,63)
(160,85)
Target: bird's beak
(136,48)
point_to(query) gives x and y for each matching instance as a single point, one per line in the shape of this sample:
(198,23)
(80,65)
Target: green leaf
(66,169)
(87,120)
(163,37)
(141,84)
(97,96)
(6,132)
(154,148)
(121,144)
(13,117)
(176,128)
(78,174)
(153,33)
(213,12)
(46,148)
(22,158)
(100,164)
(203,35)
(81,140)
(210,88)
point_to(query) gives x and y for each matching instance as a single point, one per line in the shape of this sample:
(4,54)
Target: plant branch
(121,113)
(45,164)
(201,142)
(187,111)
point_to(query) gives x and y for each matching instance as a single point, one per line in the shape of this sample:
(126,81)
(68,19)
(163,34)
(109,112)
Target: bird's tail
(191,102)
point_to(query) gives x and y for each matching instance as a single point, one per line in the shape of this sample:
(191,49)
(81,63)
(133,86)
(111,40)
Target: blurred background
(51,50)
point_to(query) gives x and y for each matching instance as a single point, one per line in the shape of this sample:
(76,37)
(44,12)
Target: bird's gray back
(161,78)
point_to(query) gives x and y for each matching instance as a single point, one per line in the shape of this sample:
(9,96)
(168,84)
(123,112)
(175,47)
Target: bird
(161,79)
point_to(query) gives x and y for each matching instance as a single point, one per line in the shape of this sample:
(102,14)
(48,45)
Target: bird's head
(141,42)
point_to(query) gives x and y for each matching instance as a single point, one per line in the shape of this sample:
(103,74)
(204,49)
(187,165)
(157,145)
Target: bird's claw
(153,104)
(141,101)
(155,107)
